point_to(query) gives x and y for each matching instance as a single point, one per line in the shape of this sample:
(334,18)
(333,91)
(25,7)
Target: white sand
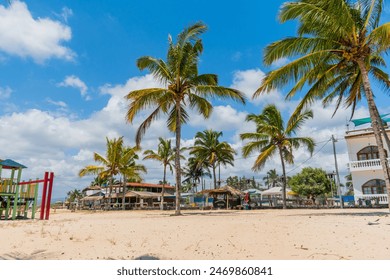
(359,234)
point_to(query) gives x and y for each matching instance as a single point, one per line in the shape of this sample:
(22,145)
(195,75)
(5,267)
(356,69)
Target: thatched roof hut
(223,190)
(231,196)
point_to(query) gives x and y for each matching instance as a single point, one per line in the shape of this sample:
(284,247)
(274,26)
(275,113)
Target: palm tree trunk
(383,130)
(124,192)
(375,121)
(214,175)
(177,158)
(163,188)
(284,180)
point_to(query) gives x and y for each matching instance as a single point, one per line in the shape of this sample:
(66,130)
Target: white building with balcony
(365,167)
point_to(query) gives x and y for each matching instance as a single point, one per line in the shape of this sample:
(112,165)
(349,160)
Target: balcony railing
(363,165)
(375,198)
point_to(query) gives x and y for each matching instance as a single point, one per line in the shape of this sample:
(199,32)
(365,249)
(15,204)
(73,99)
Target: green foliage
(242,183)
(273,136)
(182,88)
(74,195)
(335,40)
(208,150)
(310,182)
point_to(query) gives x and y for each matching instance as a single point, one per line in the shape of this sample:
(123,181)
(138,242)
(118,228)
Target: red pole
(43,203)
(51,179)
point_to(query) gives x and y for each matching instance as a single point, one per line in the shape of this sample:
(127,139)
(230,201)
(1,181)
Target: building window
(375,186)
(369,152)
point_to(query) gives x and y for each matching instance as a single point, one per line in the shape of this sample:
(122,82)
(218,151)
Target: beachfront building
(364,164)
(137,195)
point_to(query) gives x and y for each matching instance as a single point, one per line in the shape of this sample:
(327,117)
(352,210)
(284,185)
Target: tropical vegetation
(119,160)
(182,88)
(337,53)
(165,155)
(310,183)
(209,150)
(272,137)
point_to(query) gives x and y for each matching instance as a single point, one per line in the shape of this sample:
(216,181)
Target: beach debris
(372,224)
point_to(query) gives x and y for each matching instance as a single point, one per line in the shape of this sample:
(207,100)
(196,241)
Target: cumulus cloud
(248,81)
(45,141)
(75,82)
(24,36)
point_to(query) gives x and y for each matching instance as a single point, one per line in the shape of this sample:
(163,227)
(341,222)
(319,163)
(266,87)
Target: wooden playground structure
(19,199)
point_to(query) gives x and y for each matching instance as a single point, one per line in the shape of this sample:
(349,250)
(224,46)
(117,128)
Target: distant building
(365,166)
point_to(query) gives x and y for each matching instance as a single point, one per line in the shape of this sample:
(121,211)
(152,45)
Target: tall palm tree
(339,48)
(273,136)
(165,155)
(130,170)
(109,165)
(182,86)
(208,149)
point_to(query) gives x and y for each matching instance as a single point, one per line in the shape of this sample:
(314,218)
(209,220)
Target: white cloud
(75,82)
(248,81)
(222,118)
(24,36)
(5,93)
(61,104)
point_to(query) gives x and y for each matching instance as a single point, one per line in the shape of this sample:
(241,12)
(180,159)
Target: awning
(362,121)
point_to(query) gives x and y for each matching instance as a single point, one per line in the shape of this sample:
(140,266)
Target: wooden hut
(225,197)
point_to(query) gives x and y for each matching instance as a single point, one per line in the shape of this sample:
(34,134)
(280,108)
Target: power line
(309,157)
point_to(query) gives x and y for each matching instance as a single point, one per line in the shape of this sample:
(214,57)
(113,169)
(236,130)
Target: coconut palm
(109,164)
(339,48)
(273,136)
(165,155)
(130,170)
(272,178)
(208,149)
(194,171)
(182,87)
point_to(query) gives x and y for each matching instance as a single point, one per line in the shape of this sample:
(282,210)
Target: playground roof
(10,164)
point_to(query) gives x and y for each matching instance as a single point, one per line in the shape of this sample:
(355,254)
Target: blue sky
(66,65)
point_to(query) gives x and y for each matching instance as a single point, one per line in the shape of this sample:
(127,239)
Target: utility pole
(337,171)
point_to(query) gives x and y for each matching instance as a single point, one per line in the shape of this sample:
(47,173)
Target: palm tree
(272,178)
(182,86)
(339,48)
(110,164)
(130,170)
(166,155)
(272,137)
(195,171)
(208,149)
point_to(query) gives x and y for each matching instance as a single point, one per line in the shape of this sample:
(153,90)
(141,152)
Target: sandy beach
(301,234)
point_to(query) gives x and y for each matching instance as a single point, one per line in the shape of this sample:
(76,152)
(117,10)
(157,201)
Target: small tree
(310,182)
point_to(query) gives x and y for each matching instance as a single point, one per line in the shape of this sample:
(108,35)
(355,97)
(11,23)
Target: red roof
(148,185)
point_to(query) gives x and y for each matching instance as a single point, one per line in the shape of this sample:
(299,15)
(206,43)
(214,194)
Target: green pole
(17,194)
(11,191)
(34,206)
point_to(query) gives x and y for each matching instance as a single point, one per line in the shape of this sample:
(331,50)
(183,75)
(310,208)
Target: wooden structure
(18,198)
(225,197)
